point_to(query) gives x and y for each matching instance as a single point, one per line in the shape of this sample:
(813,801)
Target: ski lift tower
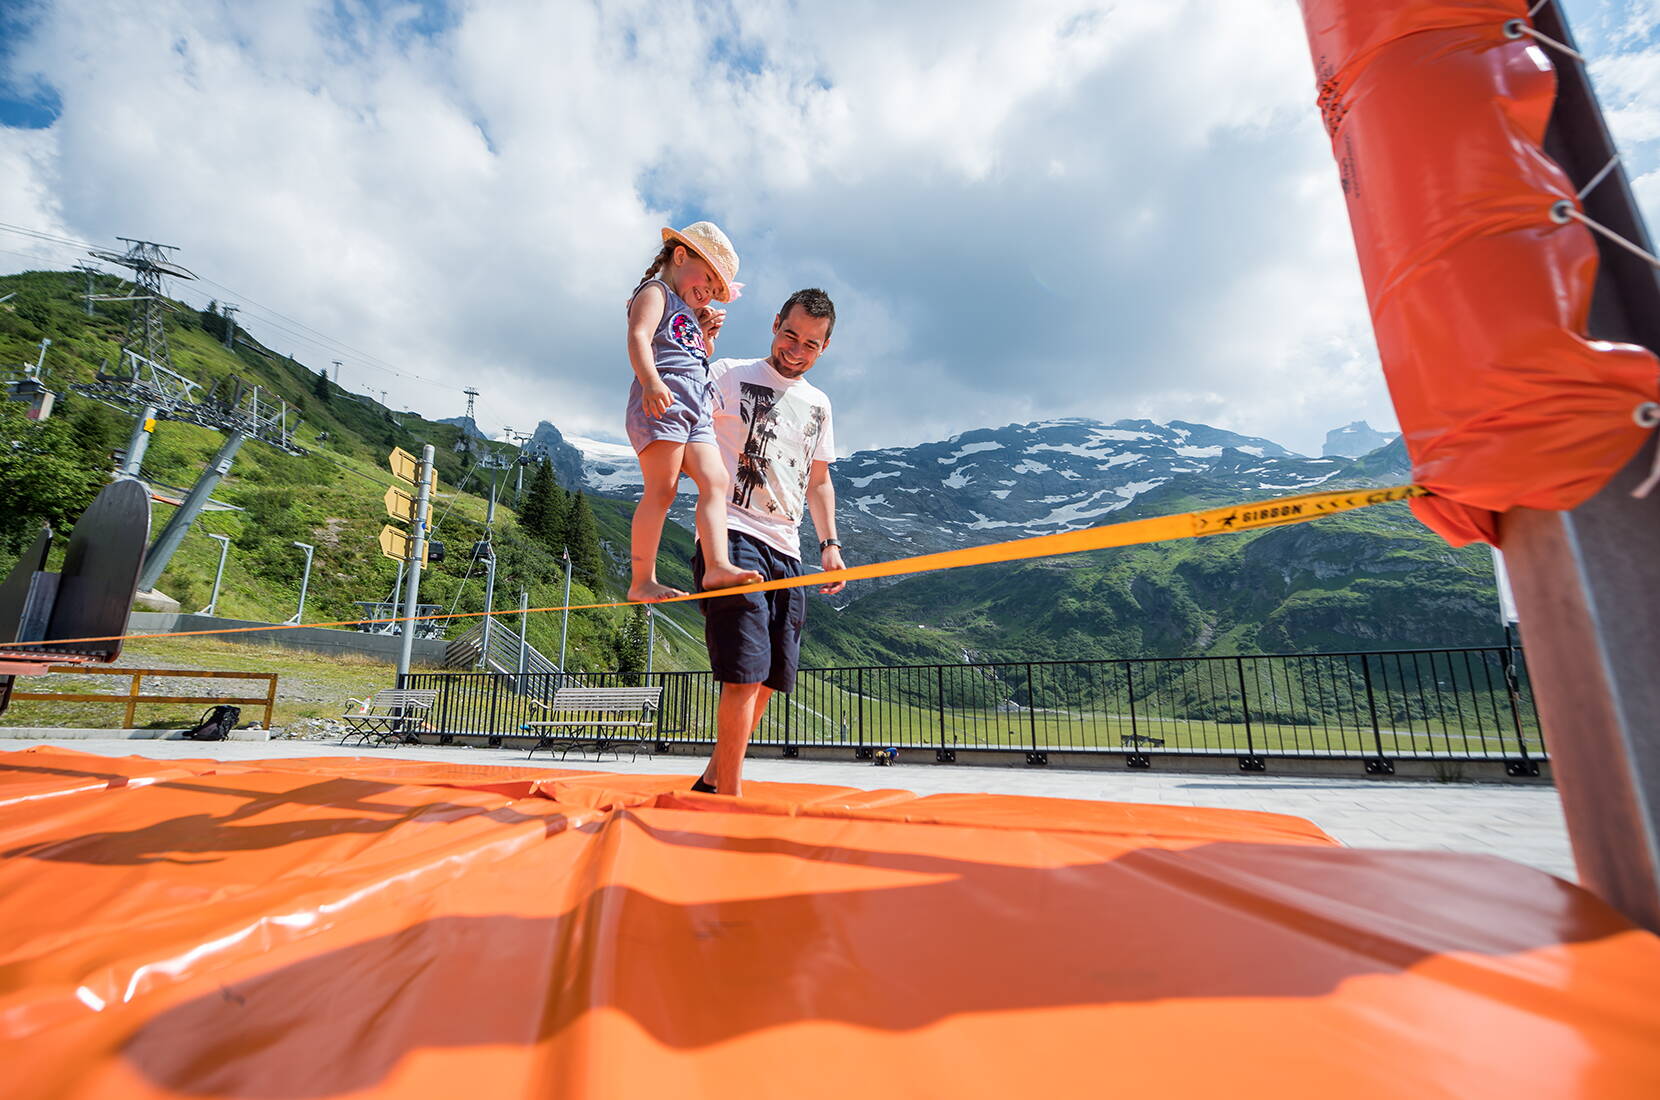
(146,371)
(149,384)
(466,444)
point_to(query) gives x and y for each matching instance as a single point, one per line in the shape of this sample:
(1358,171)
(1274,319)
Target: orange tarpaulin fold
(1478,298)
(354,927)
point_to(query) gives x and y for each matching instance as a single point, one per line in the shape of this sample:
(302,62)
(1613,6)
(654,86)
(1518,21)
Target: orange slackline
(1278,512)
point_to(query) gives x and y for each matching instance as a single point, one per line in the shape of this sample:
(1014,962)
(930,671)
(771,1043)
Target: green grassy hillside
(330,497)
(1368,580)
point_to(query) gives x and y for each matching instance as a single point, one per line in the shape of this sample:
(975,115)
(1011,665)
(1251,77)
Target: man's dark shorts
(754,638)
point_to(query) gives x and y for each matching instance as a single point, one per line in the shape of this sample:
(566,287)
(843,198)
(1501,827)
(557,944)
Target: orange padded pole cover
(1478,298)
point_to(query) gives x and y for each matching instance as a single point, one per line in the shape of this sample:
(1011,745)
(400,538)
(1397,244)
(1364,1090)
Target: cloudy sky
(1025,210)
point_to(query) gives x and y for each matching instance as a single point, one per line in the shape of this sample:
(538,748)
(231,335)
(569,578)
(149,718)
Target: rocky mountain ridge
(1043,477)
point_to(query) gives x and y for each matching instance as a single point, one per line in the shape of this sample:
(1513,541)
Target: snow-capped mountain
(993,484)
(1055,475)
(608,468)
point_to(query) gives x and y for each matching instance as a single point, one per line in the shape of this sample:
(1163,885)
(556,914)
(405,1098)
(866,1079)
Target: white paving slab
(1518,822)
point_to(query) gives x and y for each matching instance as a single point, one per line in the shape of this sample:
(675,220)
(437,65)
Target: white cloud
(1027,211)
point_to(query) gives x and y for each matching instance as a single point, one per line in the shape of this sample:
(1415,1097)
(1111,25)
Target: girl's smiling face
(691,278)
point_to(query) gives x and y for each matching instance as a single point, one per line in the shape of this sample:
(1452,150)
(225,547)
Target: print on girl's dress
(685,332)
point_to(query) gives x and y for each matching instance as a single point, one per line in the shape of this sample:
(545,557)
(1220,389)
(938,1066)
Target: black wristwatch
(825,544)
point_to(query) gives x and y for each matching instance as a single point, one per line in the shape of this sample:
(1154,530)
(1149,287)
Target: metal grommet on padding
(1562,212)
(1514,28)
(1647,415)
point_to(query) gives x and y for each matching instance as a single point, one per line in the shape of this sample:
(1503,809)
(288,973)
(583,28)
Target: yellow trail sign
(399,504)
(403,464)
(394,543)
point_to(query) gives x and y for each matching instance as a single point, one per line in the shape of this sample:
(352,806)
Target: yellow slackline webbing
(1215,521)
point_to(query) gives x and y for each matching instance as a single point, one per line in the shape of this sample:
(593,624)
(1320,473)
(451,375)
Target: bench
(391,716)
(622,715)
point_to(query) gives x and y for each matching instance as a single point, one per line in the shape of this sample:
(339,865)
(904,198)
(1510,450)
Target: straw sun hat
(709,244)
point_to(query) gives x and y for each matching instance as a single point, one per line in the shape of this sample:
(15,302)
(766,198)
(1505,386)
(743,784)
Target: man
(773,430)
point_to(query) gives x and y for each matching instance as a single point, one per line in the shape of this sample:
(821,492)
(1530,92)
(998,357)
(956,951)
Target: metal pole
(396,602)
(939,699)
(1585,579)
(524,634)
(224,548)
(92,273)
(1129,690)
(489,581)
(305,581)
(161,552)
(489,606)
(651,638)
(565,616)
(139,442)
(417,545)
(859,694)
(1031,705)
(1371,703)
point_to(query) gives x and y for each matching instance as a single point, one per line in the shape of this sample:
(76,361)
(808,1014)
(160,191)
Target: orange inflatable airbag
(1479,300)
(298,930)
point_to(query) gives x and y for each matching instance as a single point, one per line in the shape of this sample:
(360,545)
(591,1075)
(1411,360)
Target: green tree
(321,386)
(631,648)
(554,527)
(545,515)
(45,477)
(587,560)
(533,513)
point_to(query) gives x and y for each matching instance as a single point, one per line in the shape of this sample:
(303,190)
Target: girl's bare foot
(648,591)
(729,576)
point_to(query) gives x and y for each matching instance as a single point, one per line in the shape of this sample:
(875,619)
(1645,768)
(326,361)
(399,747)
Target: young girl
(671,329)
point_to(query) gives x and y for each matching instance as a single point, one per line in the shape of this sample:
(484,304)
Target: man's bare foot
(729,576)
(647,591)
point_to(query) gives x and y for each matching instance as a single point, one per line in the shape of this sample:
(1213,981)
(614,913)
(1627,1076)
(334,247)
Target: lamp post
(489,579)
(524,636)
(224,548)
(305,580)
(565,615)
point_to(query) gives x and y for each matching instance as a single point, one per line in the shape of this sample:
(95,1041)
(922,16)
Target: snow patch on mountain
(609,468)
(969,449)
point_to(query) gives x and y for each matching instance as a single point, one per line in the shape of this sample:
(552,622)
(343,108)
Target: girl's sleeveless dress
(682,360)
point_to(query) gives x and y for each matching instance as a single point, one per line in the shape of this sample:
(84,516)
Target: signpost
(412,546)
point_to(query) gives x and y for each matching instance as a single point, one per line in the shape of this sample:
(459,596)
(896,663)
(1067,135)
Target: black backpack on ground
(216,725)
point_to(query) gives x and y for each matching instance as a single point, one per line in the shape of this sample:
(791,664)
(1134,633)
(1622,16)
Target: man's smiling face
(798,339)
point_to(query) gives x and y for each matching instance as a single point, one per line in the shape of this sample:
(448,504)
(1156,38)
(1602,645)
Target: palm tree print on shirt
(770,415)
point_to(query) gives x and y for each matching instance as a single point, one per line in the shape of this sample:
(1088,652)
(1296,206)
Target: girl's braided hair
(659,262)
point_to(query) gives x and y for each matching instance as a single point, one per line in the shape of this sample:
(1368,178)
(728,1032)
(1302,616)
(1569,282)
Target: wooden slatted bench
(624,716)
(392,716)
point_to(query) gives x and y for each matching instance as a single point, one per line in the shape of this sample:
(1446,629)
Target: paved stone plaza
(1517,822)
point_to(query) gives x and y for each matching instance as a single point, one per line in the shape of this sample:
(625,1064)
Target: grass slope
(331,497)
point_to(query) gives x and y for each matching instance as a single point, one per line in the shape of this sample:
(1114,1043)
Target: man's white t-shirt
(771,430)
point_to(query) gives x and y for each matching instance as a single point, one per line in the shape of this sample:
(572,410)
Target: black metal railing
(1445,703)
